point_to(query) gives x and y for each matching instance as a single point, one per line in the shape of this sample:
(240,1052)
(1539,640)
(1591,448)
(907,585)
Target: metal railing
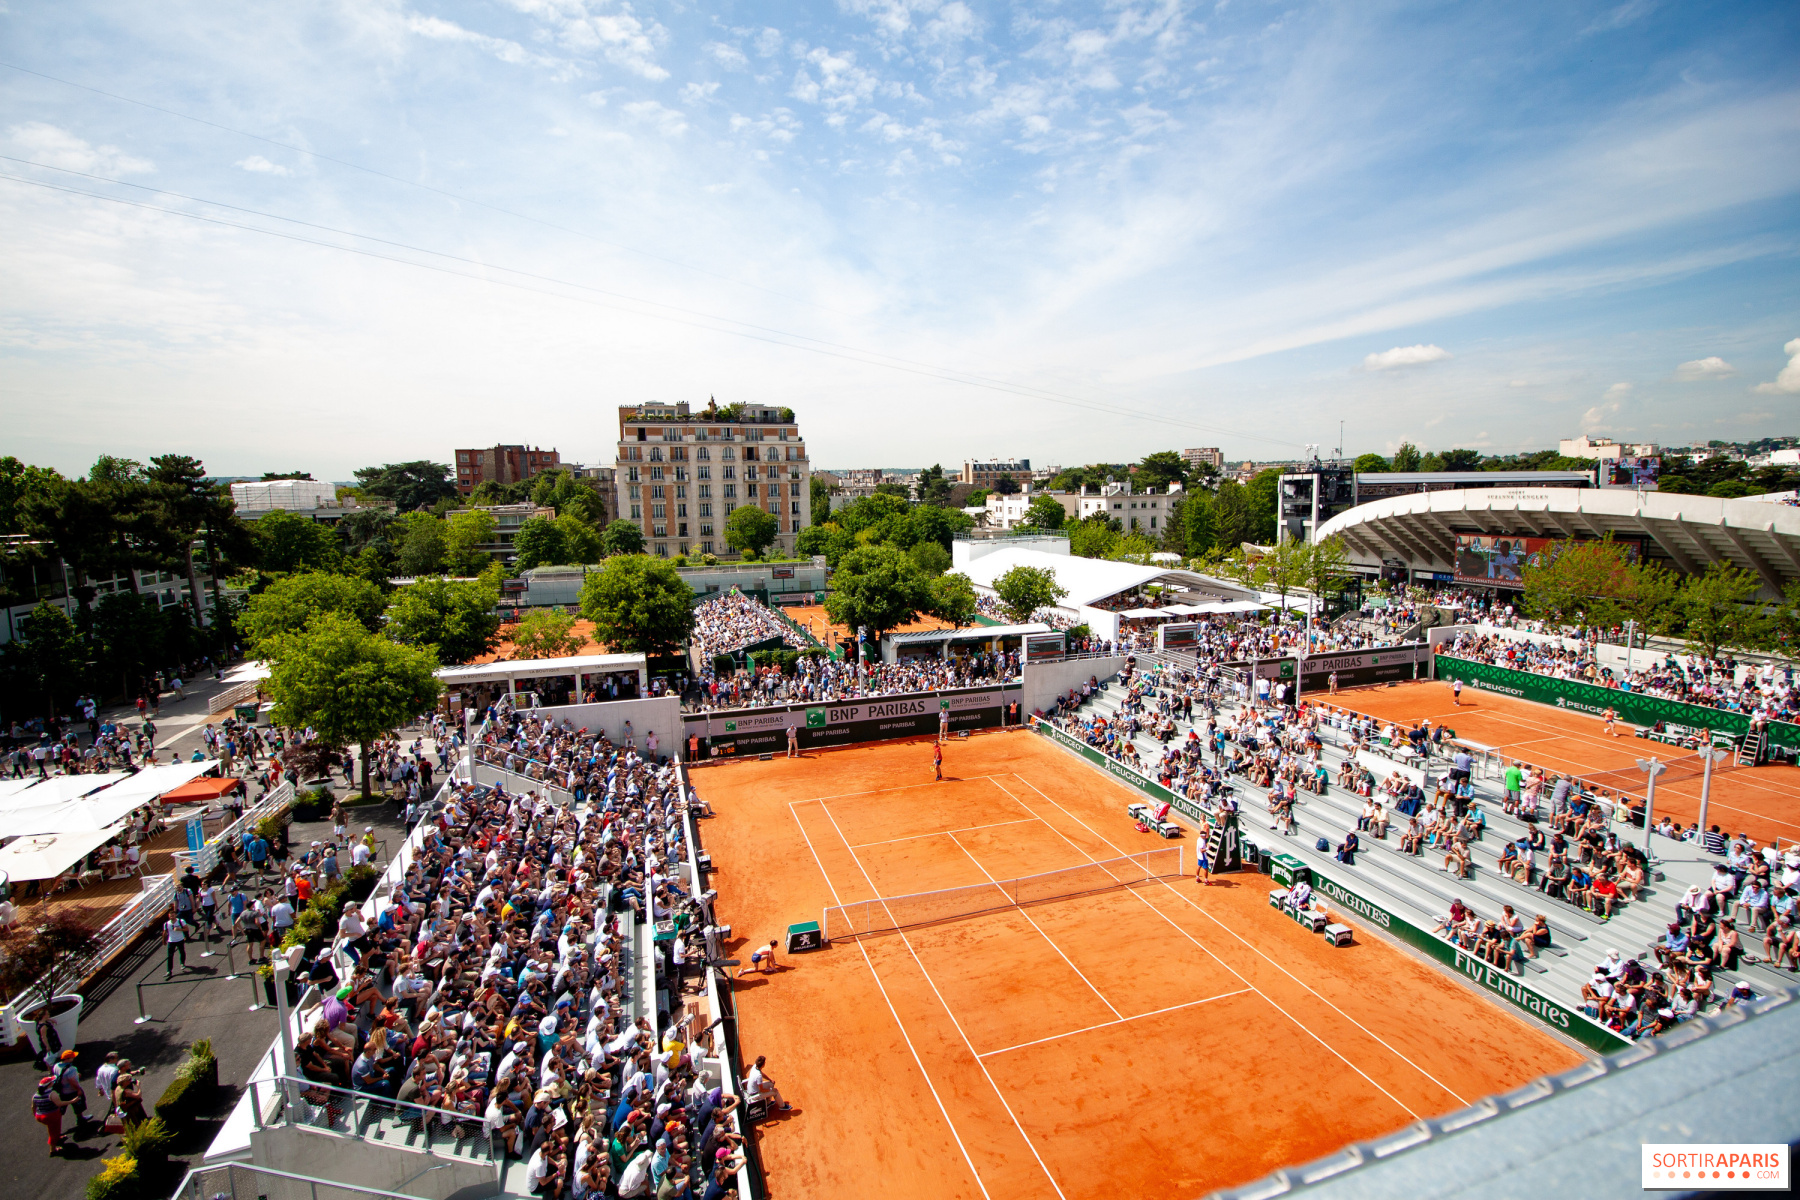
(207,857)
(241,1181)
(116,936)
(293,1101)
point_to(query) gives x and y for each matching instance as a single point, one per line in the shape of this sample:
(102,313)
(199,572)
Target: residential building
(600,478)
(1005,512)
(1604,448)
(679,474)
(501,464)
(985,474)
(1208,456)
(1136,512)
(507,519)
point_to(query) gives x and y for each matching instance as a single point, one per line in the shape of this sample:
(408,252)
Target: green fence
(1560,1017)
(1634,707)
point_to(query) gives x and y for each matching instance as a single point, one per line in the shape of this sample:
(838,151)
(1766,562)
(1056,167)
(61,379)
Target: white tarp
(86,815)
(152,782)
(1145,612)
(1231,606)
(45,856)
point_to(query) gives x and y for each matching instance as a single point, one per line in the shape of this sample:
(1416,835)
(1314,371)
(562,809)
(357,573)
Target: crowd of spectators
(493,997)
(817,678)
(1764,692)
(726,623)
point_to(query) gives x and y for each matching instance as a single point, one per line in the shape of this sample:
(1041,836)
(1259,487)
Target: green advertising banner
(1634,707)
(1559,1016)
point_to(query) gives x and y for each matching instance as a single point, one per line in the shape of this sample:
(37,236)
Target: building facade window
(706,510)
(731,491)
(705,531)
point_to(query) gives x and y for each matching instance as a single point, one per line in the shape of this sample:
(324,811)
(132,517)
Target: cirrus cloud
(1404,356)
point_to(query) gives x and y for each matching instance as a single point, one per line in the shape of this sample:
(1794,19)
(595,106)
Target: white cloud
(727,56)
(257,164)
(668,121)
(1788,382)
(698,93)
(1612,403)
(1404,356)
(440,30)
(768,43)
(56,147)
(1618,18)
(1711,367)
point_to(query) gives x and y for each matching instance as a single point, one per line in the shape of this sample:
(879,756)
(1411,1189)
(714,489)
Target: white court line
(917,1061)
(951,1014)
(1121,1021)
(1059,950)
(1234,933)
(913,837)
(905,787)
(1190,937)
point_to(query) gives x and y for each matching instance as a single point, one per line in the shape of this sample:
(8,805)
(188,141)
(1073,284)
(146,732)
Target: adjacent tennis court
(1143,1036)
(1763,802)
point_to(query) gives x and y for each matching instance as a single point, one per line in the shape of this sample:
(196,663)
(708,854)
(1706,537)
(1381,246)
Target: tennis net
(889,913)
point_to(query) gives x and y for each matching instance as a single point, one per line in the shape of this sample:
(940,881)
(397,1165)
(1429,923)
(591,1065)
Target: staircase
(1415,887)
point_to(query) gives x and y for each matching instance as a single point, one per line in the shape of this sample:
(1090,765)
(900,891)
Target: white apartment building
(1006,512)
(1603,448)
(1140,512)
(679,474)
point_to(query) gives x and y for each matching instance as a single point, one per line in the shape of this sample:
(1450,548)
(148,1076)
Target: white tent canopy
(1230,606)
(55,790)
(152,782)
(46,856)
(1140,613)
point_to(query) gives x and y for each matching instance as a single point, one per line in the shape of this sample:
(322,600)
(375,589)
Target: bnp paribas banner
(1634,707)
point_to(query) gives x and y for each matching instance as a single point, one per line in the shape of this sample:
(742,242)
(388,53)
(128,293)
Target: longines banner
(741,731)
(1633,707)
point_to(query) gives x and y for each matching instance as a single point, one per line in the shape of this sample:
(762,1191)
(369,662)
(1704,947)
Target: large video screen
(1497,561)
(1633,472)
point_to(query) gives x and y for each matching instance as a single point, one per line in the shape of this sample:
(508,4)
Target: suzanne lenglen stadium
(1173,923)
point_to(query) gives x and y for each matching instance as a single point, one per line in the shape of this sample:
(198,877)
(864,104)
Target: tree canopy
(876,588)
(623,537)
(1159,470)
(953,599)
(1023,590)
(410,485)
(348,684)
(750,531)
(289,604)
(546,633)
(288,542)
(638,603)
(454,619)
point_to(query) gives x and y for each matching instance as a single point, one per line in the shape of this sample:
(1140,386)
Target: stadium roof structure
(1691,532)
(1089,580)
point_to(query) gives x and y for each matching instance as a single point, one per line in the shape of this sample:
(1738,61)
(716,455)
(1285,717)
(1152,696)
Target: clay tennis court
(1157,1040)
(1763,802)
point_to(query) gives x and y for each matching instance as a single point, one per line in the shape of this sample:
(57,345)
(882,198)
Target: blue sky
(1071,232)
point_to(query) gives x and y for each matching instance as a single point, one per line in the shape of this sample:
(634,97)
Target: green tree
(581,542)
(454,619)
(930,523)
(410,485)
(546,633)
(1259,498)
(953,599)
(1579,583)
(1094,536)
(876,588)
(1784,630)
(1716,611)
(934,486)
(622,537)
(931,559)
(1045,512)
(289,604)
(538,543)
(1159,470)
(1199,524)
(490,492)
(49,659)
(1232,522)
(348,684)
(1006,485)
(638,604)
(1327,568)
(465,533)
(371,528)
(423,545)
(1369,464)
(287,542)
(17,481)
(750,531)
(832,540)
(821,500)
(129,633)
(1023,590)
(1407,457)
(73,516)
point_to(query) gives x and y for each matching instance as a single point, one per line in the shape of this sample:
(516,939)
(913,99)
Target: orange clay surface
(1155,1041)
(814,619)
(1763,802)
(505,651)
